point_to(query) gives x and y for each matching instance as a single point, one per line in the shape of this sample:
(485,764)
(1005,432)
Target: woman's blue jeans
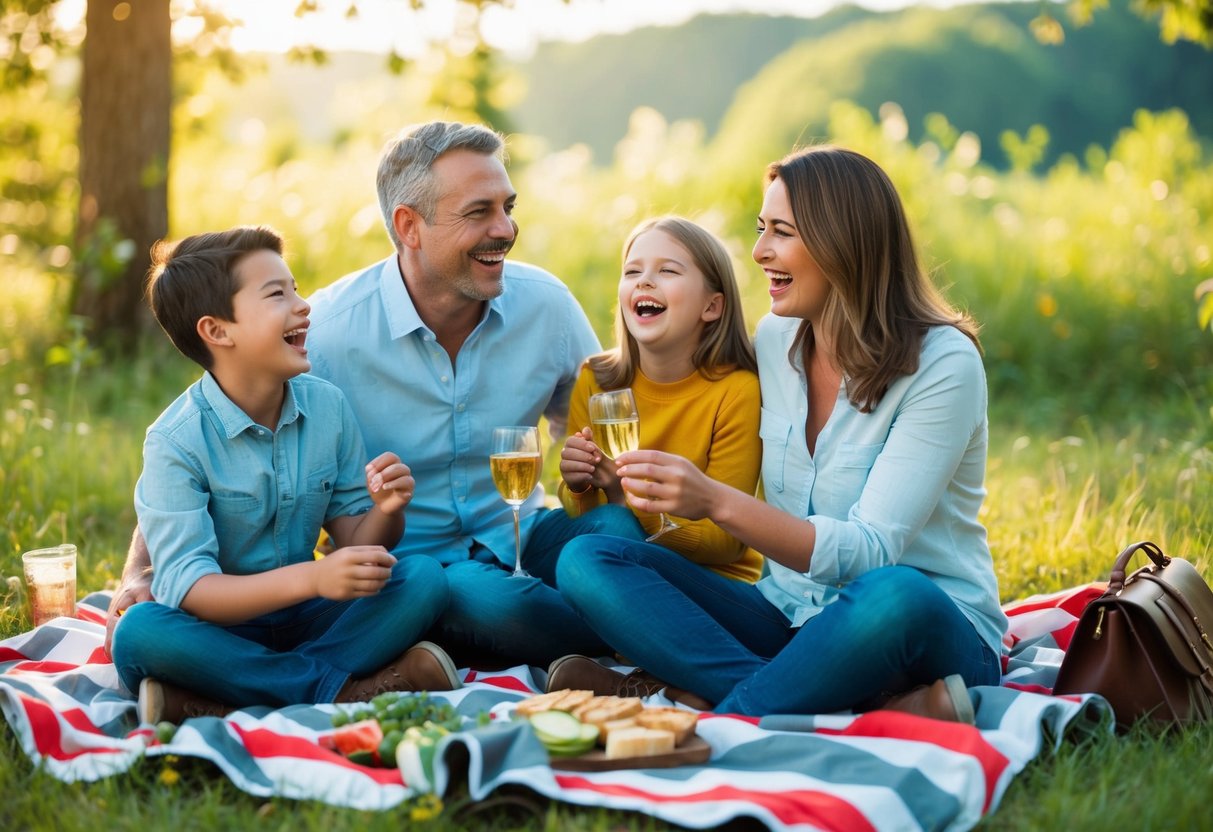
(303,653)
(525,620)
(888,631)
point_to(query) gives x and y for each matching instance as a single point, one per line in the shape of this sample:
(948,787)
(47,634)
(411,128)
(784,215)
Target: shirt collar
(234,420)
(402,314)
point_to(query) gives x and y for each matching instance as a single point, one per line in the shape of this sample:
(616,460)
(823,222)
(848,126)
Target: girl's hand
(583,465)
(353,572)
(655,481)
(390,483)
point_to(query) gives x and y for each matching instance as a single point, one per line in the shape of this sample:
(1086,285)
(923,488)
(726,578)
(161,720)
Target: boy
(239,475)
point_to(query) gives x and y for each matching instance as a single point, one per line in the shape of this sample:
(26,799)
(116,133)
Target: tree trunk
(125,109)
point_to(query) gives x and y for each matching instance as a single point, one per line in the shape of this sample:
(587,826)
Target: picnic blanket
(880,770)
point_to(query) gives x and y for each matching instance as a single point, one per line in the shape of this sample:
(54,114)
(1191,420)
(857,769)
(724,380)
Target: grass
(1059,509)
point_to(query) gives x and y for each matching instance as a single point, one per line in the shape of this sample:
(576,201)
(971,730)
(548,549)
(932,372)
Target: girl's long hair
(724,345)
(881,302)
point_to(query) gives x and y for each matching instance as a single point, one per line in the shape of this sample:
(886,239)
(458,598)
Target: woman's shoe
(946,699)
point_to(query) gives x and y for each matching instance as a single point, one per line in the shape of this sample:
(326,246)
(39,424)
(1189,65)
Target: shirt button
(443,379)
(461,407)
(808,594)
(463,499)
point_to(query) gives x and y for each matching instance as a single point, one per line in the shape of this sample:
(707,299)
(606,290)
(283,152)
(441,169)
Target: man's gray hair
(406,174)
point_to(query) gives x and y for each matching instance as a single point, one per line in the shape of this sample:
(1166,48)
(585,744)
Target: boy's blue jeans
(301,654)
(889,630)
(523,619)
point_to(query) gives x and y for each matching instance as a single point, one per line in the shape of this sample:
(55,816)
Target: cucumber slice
(555,727)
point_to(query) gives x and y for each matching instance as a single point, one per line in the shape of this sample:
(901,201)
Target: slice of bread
(618,708)
(638,742)
(679,722)
(572,699)
(553,701)
(591,704)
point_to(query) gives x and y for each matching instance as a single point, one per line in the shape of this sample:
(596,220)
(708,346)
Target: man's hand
(353,572)
(135,588)
(390,483)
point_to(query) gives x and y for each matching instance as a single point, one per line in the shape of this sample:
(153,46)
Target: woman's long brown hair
(881,302)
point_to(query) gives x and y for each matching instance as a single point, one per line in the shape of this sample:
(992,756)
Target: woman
(881,590)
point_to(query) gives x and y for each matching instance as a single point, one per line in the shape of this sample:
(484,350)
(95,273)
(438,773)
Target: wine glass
(616,426)
(515,462)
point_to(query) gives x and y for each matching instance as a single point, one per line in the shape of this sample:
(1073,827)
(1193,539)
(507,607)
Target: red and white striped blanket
(879,771)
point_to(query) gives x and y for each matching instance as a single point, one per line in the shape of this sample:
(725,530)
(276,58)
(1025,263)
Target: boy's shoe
(947,699)
(424,666)
(162,702)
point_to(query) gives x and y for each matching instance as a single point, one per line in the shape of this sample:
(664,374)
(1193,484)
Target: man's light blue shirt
(902,484)
(520,361)
(220,493)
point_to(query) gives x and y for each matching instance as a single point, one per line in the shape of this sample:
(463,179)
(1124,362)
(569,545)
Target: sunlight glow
(383,25)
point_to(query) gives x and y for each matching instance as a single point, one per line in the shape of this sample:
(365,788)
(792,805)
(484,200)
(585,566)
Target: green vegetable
(165,731)
(562,734)
(395,716)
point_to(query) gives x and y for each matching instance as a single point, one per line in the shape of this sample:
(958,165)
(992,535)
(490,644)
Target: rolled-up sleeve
(171,500)
(580,342)
(939,414)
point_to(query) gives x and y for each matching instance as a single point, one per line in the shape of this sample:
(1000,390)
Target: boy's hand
(582,464)
(390,483)
(353,572)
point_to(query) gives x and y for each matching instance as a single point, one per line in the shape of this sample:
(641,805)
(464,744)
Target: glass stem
(517,543)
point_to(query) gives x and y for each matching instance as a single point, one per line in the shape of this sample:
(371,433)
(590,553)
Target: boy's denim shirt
(220,493)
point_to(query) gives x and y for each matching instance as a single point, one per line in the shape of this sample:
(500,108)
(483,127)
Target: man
(434,347)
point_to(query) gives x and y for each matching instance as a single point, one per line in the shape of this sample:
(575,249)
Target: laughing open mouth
(490,258)
(778,279)
(647,308)
(296,337)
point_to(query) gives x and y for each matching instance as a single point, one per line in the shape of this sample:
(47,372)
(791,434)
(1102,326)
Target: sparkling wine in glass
(515,462)
(616,426)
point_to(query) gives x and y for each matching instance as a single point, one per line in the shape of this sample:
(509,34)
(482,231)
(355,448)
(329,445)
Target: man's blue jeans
(523,619)
(303,653)
(889,630)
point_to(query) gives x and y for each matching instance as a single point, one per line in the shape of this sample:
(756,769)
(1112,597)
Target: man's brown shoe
(424,666)
(161,702)
(947,699)
(575,672)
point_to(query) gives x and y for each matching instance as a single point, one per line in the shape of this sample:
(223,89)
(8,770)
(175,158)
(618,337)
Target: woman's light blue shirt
(221,493)
(900,485)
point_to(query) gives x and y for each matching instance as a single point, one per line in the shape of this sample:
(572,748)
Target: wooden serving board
(694,750)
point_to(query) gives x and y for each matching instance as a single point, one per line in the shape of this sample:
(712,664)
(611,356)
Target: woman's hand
(655,481)
(353,572)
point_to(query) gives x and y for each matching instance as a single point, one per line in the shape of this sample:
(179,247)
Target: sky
(383,25)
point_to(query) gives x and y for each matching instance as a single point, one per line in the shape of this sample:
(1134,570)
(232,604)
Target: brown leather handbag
(1145,644)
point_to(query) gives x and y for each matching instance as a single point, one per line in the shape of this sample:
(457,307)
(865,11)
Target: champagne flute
(616,426)
(515,462)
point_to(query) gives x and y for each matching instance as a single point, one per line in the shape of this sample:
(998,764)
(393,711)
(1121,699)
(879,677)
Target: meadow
(1082,274)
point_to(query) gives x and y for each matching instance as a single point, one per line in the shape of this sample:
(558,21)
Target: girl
(881,590)
(684,351)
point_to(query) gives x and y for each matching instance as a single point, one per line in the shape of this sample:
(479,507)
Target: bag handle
(1116,581)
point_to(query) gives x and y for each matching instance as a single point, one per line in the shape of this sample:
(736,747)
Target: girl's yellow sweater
(714,424)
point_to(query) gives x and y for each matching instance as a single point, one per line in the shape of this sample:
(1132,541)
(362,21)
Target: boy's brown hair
(196,277)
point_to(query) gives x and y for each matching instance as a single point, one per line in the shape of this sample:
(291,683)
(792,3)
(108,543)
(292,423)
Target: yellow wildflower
(426,808)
